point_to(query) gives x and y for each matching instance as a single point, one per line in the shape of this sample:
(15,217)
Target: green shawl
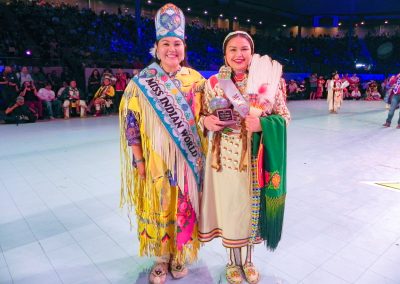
(269,146)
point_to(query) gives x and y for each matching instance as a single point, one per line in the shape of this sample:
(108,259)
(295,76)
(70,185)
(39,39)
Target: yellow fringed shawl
(154,199)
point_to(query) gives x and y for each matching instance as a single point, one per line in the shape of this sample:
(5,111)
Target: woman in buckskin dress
(227,210)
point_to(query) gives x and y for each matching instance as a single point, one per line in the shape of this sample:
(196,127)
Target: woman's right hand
(141,169)
(212,123)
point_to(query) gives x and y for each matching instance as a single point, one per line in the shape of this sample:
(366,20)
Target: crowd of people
(80,36)
(317,86)
(26,97)
(49,96)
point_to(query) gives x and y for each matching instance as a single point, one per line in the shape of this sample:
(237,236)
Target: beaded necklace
(240,80)
(172,74)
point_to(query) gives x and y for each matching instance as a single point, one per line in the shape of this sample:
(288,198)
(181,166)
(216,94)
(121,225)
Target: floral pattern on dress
(132,130)
(185,215)
(185,219)
(272,180)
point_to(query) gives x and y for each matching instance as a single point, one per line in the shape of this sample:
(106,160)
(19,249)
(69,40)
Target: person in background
(292,89)
(38,77)
(8,87)
(29,92)
(313,86)
(320,87)
(19,112)
(47,96)
(58,103)
(394,100)
(355,93)
(54,80)
(24,76)
(372,93)
(354,82)
(335,93)
(108,72)
(120,85)
(62,88)
(103,97)
(94,83)
(73,97)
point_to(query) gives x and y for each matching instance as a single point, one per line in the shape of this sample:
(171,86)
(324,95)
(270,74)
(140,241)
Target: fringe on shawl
(156,138)
(161,142)
(273,194)
(137,193)
(272,211)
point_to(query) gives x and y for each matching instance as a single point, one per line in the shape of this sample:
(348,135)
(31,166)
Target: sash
(235,97)
(174,113)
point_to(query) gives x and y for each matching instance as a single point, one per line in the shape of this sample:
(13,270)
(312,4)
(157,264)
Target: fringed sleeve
(280,102)
(129,176)
(199,89)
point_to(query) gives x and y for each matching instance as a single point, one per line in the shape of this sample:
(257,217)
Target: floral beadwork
(272,180)
(185,219)
(276,180)
(132,130)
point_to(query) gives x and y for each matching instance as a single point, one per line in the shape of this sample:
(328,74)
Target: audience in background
(83,37)
(8,87)
(48,98)
(103,98)
(30,94)
(73,101)
(120,85)
(19,112)
(24,76)
(94,83)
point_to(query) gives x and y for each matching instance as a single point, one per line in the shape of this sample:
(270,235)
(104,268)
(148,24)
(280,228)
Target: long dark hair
(98,73)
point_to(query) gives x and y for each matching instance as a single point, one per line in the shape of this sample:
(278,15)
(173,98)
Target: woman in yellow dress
(162,152)
(243,192)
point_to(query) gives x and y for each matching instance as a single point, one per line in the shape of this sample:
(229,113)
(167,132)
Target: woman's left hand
(252,123)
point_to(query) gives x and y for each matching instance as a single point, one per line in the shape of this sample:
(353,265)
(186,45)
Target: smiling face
(238,53)
(171,52)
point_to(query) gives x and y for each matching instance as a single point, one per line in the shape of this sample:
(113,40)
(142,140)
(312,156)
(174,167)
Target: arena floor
(60,220)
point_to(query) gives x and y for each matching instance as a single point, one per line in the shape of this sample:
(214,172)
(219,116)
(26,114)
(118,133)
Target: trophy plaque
(225,115)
